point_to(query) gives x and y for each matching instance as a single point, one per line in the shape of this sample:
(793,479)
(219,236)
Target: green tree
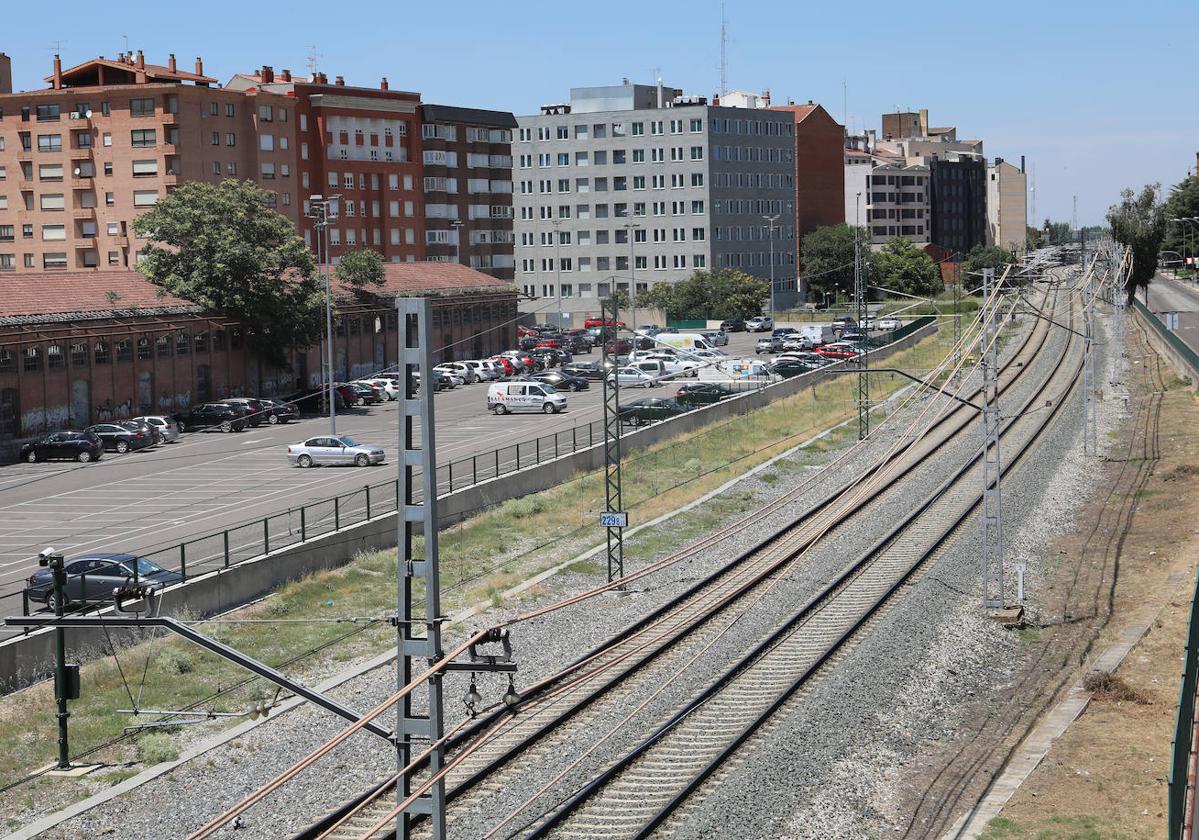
(720,294)
(1060,233)
(986,256)
(361,268)
(902,267)
(1138,223)
(827,257)
(1181,207)
(221,247)
(1032,238)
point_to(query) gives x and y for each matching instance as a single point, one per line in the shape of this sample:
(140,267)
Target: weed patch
(1106,686)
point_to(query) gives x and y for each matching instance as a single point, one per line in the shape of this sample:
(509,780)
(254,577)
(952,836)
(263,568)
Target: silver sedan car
(334,451)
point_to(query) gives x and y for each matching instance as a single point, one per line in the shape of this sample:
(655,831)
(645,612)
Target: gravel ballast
(936,631)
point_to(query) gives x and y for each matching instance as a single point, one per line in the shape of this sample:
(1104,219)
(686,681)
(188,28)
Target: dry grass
(1106,686)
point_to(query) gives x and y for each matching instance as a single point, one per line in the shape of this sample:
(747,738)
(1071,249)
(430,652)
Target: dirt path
(1130,559)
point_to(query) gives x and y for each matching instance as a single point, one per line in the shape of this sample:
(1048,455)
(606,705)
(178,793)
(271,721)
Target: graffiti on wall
(36,421)
(107,411)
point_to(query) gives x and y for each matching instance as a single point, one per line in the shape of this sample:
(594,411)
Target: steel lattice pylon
(993,594)
(416,355)
(612,500)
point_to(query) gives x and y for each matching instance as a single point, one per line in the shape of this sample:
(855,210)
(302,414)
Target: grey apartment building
(638,182)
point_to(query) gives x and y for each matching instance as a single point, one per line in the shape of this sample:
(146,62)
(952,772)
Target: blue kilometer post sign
(614,520)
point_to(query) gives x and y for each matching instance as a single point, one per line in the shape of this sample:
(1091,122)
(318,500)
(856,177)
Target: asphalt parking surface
(151,499)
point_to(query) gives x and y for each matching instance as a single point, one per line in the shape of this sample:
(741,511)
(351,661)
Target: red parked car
(837,351)
(620,346)
(552,343)
(600,322)
(505,363)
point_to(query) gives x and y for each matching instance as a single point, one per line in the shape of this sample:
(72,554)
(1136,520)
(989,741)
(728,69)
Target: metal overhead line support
(612,494)
(859,282)
(1089,443)
(993,596)
(416,355)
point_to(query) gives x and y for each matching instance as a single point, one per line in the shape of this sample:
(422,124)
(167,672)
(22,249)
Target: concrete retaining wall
(25,659)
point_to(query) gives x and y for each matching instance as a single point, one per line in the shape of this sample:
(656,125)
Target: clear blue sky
(1091,93)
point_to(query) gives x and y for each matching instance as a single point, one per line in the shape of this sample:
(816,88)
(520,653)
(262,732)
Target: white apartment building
(638,183)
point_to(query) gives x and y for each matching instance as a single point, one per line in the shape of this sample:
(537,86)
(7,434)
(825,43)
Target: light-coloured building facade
(897,203)
(638,181)
(1007,206)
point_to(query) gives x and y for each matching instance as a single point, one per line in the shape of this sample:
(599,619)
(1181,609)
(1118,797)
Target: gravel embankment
(838,765)
(184,798)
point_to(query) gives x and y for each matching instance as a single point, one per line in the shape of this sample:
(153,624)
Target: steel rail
(325,825)
(818,603)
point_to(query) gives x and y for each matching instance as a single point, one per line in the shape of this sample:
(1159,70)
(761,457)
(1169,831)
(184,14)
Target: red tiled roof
(435,277)
(82,295)
(152,71)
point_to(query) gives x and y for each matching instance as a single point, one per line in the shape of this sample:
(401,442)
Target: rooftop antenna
(56,47)
(126,38)
(724,63)
(313,55)
(844,101)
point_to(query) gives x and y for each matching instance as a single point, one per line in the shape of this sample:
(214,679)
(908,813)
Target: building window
(47,113)
(49,142)
(142,138)
(33,358)
(163,345)
(143,168)
(145,198)
(183,343)
(144,352)
(230,139)
(103,354)
(143,107)
(200,342)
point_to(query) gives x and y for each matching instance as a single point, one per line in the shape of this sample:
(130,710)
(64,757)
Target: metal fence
(1184,726)
(1187,355)
(256,538)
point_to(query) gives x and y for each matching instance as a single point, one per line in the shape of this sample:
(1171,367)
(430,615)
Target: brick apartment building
(109,137)
(468,187)
(78,348)
(81,159)
(819,168)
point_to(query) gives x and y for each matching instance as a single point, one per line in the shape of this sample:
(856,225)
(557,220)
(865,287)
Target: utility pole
(632,227)
(416,356)
(322,210)
(456,225)
(771,220)
(612,493)
(859,291)
(1089,442)
(992,500)
(557,223)
(957,309)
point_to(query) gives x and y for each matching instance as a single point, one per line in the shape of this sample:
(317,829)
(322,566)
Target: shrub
(156,748)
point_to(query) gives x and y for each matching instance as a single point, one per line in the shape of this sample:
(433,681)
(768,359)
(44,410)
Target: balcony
(83,213)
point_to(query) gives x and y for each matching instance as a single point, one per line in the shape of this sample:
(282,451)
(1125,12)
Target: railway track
(629,665)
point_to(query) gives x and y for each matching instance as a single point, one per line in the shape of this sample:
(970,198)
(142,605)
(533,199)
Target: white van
(505,397)
(683,341)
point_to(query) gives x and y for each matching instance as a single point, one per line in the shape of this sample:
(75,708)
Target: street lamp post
(557,223)
(632,227)
(771,220)
(322,210)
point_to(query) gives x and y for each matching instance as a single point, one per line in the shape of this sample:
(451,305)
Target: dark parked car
(73,446)
(255,410)
(280,412)
(563,381)
(619,346)
(117,438)
(212,417)
(733,325)
(141,424)
(702,393)
(579,343)
(649,410)
(526,342)
(587,370)
(93,578)
(367,394)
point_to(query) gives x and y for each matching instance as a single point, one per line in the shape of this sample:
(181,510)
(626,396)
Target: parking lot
(153,498)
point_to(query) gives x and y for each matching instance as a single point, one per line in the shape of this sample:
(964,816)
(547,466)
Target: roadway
(151,499)
(1166,295)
